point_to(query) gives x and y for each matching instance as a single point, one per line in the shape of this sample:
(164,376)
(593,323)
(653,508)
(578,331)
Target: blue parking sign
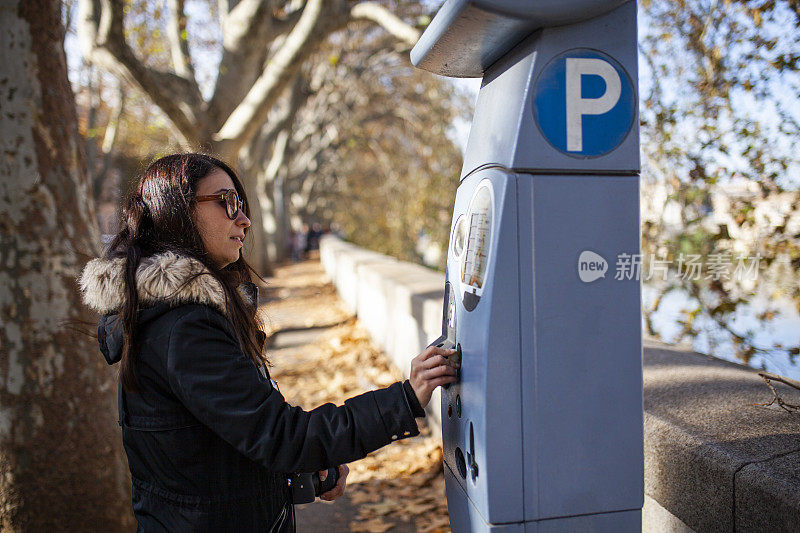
(584,103)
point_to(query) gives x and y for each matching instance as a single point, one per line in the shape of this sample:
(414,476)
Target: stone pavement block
(688,480)
(768,494)
(701,428)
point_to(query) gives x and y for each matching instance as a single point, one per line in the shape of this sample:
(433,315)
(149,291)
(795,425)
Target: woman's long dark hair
(157,218)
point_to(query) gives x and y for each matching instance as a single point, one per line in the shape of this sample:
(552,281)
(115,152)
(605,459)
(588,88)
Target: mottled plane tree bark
(61,463)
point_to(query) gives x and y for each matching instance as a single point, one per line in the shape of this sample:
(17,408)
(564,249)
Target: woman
(209,438)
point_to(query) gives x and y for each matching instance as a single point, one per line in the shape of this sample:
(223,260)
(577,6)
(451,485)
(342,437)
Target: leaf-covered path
(321,354)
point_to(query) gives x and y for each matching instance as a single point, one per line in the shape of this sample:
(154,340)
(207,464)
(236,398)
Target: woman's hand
(430,369)
(338,490)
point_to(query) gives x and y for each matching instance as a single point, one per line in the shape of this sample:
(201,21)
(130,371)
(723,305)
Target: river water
(784,329)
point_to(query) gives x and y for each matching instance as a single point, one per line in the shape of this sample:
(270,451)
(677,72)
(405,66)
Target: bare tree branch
(283,121)
(68,13)
(385,18)
(281,25)
(242,98)
(241,20)
(767,377)
(222,11)
(178,41)
(786,381)
(248,29)
(246,120)
(101,32)
(278,153)
(112,130)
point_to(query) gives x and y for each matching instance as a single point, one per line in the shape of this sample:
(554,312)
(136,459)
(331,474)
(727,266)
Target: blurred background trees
(370,151)
(229,91)
(350,134)
(720,121)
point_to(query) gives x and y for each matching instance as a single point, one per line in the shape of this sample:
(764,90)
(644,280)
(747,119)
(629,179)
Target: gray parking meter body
(543,432)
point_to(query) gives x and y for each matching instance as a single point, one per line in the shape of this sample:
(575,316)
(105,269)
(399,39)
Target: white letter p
(577,106)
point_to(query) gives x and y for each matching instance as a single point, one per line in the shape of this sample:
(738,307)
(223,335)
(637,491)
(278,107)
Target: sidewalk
(319,354)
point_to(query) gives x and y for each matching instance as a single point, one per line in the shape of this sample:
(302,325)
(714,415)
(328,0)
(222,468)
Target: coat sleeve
(221,386)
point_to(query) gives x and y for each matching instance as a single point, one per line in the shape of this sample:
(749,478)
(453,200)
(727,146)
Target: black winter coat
(209,440)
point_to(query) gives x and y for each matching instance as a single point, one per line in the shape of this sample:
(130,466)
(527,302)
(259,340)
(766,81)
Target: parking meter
(543,432)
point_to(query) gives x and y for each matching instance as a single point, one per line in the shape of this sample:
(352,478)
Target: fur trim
(159,278)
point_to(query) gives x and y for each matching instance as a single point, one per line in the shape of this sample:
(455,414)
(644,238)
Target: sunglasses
(230,198)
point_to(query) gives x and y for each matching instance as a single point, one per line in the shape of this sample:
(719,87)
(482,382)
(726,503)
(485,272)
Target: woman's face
(222,237)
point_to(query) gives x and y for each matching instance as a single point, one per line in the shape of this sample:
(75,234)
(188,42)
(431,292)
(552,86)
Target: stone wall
(714,460)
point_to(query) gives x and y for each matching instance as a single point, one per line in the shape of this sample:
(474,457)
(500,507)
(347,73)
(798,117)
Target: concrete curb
(714,461)
(399,303)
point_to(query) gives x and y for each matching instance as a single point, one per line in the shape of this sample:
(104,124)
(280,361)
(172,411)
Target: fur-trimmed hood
(160,278)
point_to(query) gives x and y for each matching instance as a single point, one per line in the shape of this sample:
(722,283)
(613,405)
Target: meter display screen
(479,228)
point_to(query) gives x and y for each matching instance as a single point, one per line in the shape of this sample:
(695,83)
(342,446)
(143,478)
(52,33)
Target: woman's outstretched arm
(223,389)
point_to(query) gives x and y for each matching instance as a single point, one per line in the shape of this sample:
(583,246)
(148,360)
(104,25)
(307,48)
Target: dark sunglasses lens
(232,204)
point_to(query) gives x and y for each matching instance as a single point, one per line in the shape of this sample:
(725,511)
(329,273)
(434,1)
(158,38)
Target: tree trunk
(272,211)
(61,463)
(282,226)
(257,250)
(274,207)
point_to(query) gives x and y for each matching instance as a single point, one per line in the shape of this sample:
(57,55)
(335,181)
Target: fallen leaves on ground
(300,296)
(313,307)
(397,483)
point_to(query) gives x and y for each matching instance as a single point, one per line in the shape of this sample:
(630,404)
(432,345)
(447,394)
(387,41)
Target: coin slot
(473,464)
(471,439)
